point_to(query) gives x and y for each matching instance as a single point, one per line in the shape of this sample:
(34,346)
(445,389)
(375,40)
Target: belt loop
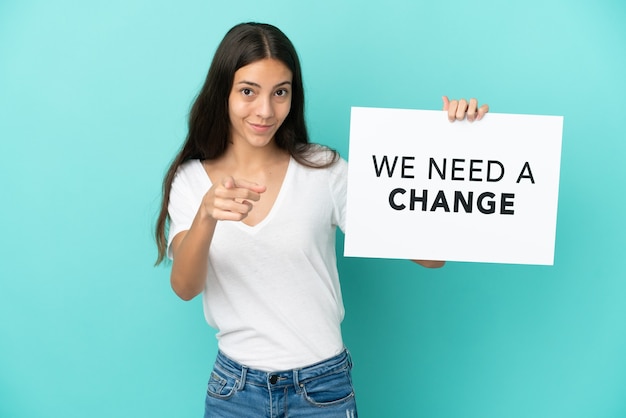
(244,374)
(296,381)
(349,358)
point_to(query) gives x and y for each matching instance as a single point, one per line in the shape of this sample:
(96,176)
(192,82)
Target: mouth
(260,128)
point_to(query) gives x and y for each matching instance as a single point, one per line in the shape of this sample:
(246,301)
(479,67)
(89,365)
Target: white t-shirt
(272,290)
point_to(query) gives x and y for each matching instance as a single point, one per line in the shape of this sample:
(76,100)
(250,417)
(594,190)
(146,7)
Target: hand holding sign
(482,192)
(458,109)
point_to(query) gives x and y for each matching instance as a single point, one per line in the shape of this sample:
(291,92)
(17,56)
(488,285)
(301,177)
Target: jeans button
(273,379)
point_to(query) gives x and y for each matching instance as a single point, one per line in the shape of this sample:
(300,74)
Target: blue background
(93,103)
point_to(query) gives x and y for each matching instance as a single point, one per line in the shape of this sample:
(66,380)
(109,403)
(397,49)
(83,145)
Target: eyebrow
(251,83)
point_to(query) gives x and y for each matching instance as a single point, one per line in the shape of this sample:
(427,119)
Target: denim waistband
(278,379)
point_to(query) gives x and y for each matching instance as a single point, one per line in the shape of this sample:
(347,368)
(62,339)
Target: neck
(254,158)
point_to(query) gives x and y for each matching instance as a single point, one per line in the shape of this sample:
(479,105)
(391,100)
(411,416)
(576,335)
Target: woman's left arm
(457,110)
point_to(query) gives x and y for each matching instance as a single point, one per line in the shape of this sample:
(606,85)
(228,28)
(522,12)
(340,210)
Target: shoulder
(189,167)
(318,156)
(190,171)
(190,175)
(324,165)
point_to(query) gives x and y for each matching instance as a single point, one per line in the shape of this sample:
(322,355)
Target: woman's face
(259,102)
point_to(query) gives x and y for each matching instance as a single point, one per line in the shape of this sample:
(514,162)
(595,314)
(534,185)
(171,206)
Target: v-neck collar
(275,207)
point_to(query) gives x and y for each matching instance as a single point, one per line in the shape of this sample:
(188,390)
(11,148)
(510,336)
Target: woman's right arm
(228,200)
(190,252)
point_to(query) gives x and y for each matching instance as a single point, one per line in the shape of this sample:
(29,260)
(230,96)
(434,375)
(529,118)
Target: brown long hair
(209,125)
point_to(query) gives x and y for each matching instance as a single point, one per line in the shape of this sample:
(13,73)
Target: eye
(247,92)
(281,92)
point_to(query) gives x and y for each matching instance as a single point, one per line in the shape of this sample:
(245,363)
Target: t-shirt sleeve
(182,206)
(339,190)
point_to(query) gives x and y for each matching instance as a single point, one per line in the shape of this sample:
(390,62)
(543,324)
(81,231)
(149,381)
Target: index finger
(245,184)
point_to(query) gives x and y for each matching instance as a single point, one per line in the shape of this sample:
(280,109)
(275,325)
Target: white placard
(420,187)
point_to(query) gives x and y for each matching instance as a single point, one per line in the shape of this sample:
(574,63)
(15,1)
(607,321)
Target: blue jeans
(321,390)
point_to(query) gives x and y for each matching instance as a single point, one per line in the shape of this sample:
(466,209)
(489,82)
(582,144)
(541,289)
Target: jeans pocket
(221,384)
(330,389)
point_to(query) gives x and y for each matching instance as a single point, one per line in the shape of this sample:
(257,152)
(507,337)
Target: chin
(260,142)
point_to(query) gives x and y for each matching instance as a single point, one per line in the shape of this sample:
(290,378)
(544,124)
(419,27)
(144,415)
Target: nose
(265,108)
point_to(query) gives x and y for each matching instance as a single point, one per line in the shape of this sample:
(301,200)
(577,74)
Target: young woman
(251,208)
